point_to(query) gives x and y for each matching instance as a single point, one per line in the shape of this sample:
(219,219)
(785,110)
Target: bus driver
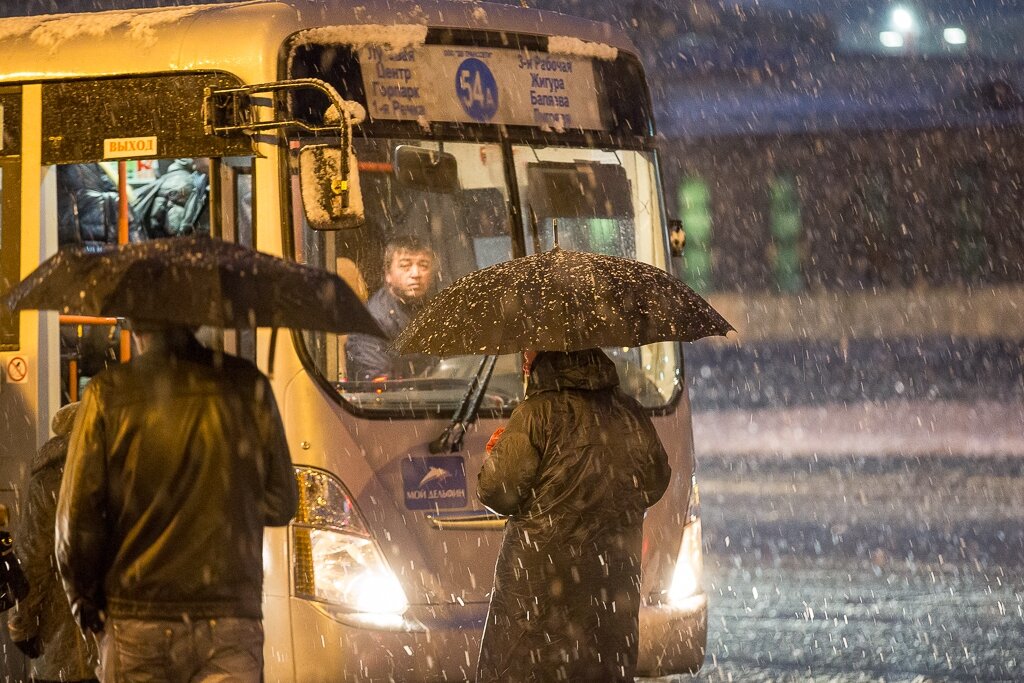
(409,273)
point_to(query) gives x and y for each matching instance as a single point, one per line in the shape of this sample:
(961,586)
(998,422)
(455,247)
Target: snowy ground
(864,543)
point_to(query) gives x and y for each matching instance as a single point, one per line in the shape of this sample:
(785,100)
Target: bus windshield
(425,230)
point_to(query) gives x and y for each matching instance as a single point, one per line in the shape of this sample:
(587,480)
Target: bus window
(624,220)
(590,201)
(456,231)
(167,198)
(232,192)
(467,229)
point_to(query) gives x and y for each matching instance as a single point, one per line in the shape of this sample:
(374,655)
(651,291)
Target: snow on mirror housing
(334,558)
(425,169)
(331,199)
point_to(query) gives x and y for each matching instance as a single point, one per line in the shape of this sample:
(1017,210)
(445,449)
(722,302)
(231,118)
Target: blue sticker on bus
(477,90)
(434,482)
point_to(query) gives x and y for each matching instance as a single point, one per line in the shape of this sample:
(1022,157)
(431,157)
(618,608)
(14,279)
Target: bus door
(140,138)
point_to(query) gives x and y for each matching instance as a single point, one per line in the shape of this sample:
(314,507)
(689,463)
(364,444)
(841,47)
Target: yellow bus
(467,126)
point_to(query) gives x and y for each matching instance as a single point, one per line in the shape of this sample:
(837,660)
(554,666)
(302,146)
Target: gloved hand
(31,648)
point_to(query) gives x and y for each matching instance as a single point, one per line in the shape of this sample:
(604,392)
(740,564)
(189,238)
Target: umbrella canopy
(192,281)
(559,301)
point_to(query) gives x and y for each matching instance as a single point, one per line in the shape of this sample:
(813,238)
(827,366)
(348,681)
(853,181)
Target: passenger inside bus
(409,275)
(177,202)
(173,202)
(87,207)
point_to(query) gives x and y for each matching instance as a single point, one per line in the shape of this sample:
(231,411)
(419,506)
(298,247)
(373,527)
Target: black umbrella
(559,301)
(192,281)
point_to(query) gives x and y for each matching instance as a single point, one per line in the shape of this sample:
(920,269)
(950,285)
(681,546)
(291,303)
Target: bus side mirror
(324,184)
(676,237)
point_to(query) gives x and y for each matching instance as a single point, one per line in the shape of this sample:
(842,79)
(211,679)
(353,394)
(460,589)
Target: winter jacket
(88,206)
(176,462)
(67,655)
(367,357)
(575,468)
(176,203)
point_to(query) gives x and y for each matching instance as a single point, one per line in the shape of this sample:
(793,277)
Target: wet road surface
(864,568)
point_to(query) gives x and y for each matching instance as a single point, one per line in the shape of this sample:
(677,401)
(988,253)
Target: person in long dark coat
(574,469)
(42,626)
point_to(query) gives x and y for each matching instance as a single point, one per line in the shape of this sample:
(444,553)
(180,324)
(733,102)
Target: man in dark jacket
(409,271)
(574,469)
(177,461)
(43,627)
(88,205)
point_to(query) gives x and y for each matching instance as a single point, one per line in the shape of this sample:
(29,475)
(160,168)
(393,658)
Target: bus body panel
(47,47)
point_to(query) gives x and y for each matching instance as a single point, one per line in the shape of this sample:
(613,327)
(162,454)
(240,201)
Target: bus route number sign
(504,86)
(477,90)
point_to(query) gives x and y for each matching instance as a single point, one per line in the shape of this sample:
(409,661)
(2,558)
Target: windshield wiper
(450,440)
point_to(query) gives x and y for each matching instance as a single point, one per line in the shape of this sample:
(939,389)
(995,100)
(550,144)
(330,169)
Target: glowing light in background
(890,39)
(954,35)
(903,20)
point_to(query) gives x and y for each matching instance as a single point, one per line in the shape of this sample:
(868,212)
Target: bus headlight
(688,574)
(334,558)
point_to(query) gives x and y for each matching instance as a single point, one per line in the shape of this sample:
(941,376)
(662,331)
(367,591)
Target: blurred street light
(890,39)
(954,35)
(903,20)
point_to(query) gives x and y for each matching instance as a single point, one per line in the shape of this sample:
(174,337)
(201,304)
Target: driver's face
(410,274)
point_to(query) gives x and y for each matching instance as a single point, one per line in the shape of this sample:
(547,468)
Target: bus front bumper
(442,643)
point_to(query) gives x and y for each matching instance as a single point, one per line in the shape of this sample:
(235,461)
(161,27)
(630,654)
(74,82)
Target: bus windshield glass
(436,211)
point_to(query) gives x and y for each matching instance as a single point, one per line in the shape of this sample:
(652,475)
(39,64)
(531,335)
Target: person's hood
(184,164)
(55,451)
(589,369)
